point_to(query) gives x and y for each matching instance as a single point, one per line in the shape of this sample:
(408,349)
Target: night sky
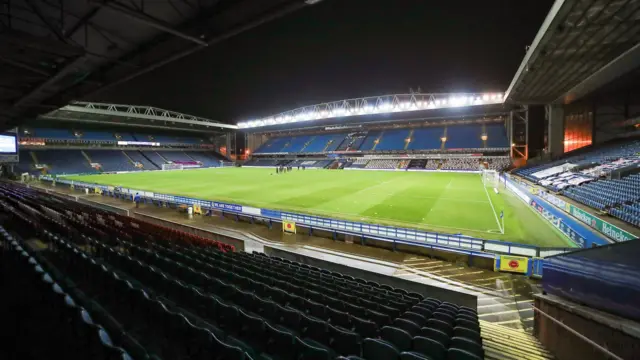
(341,49)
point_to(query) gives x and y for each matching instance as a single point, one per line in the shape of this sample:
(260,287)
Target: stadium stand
(583,176)
(335,142)
(463,164)
(382,164)
(111,160)
(464,137)
(496,136)
(158,293)
(393,140)
(55,134)
(96,135)
(318,144)
(154,158)
(370,141)
(137,156)
(64,162)
(207,159)
(426,139)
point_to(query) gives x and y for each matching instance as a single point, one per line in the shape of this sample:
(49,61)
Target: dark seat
(463,332)
(375,349)
(280,343)
(398,337)
(355,310)
(416,318)
(440,325)
(289,318)
(436,335)
(432,348)
(423,310)
(407,325)
(338,318)
(308,350)
(314,329)
(468,324)
(467,345)
(459,354)
(412,355)
(366,328)
(379,318)
(252,330)
(443,316)
(344,342)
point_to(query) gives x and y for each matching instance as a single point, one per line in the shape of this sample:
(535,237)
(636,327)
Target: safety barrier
(447,242)
(574,230)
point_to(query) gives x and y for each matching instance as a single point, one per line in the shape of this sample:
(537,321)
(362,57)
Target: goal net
(172,166)
(490,178)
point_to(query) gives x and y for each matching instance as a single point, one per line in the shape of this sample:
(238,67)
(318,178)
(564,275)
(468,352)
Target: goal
(490,178)
(172,166)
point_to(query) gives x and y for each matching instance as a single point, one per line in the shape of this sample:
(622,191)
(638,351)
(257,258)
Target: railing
(451,242)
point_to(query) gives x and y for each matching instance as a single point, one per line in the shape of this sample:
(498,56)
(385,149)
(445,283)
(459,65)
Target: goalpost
(490,178)
(172,166)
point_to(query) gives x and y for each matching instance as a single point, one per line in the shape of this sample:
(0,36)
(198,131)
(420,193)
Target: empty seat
(398,337)
(434,349)
(374,349)
(407,325)
(467,345)
(459,354)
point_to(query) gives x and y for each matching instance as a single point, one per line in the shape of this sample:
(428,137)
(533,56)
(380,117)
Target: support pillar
(555,131)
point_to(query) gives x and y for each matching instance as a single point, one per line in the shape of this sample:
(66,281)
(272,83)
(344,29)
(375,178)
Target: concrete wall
(620,336)
(426,290)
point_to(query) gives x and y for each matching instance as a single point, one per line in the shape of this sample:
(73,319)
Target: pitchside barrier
(574,230)
(460,244)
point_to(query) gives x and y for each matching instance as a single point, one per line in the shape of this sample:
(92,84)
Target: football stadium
(444,225)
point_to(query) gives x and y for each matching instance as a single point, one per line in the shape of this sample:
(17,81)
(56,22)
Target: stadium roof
(375,105)
(581,46)
(132,115)
(56,51)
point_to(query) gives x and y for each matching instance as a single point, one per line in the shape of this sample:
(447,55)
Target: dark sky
(341,49)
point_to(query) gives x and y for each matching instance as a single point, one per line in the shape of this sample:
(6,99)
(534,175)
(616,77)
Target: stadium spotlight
(485,97)
(444,138)
(513,144)
(484,137)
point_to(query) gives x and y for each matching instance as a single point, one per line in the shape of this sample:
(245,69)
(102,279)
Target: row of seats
(181,296)
(109,136)
(74,162)
(457,137)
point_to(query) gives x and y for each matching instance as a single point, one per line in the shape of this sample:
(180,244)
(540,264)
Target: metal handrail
(582,337)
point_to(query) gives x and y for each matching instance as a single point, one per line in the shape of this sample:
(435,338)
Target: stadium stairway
(34,157)
(375,143)
(503,343)
(129,158)
(162,157)
(307,143)
(409,139)
(86,156)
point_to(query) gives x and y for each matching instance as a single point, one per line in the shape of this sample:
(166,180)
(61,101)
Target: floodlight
(437,103)
(444,138)
(485,97)
(484,137)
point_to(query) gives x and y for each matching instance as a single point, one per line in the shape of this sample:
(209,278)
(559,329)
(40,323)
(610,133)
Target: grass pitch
(443,202)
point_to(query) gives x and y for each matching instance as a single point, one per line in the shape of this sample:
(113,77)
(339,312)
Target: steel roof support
(252,24)
(149,21)
(141,112)
(534,50)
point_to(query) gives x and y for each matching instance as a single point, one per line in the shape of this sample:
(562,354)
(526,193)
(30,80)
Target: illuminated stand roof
(376,105)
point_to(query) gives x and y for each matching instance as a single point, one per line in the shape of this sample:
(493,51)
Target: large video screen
(8,144)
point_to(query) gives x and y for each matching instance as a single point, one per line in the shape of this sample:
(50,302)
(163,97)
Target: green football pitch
(443,202)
